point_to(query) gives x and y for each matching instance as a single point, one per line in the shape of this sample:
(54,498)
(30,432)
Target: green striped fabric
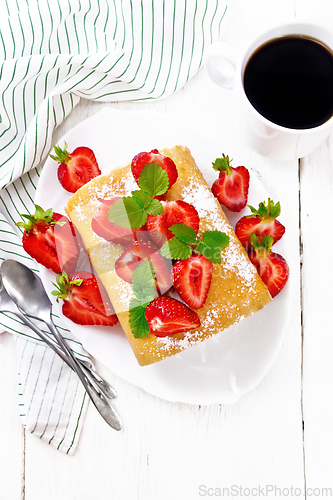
(54,53)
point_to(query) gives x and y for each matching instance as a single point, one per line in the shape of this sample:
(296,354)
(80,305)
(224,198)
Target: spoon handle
(93,377)
(97,397)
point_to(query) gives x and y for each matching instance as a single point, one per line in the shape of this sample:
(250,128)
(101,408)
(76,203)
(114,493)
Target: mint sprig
(185,241)
(144,289)
(131,212)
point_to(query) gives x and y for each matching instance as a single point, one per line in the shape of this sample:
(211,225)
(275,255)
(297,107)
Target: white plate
(220,369)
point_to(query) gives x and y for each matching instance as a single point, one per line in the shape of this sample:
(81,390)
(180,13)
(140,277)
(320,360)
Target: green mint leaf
(149,205)
(155,207)
(144,198)
(212,244)
(176,249)
(137,319)
(143,282)
(128,212)
(184,233)
(153,179)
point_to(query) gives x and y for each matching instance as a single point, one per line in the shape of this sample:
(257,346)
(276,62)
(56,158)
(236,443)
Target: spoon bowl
(7,305)
(26,290)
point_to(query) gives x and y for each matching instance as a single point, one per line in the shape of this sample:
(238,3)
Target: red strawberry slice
(262,222)
(232,186)
(51,240)
(77,168)
(106,229)
(175,212)
(138,251)
(192,278)
(271,266)
(166,316)
(85,300)
(142,159)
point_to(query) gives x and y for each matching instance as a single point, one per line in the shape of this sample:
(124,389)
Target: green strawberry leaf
(176,249)
(266,212)
(212,244)
(153,179)
(184,233)
(137,319)
(262,247)
(222,164)
(39,215)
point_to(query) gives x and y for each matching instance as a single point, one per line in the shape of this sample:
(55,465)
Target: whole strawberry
(85,300)
(232,186)
(271,266)
(262,222)
(142,159)
(50,239)
(77,168)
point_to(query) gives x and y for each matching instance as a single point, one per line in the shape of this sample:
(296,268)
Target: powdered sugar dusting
(204,201)
(169,343)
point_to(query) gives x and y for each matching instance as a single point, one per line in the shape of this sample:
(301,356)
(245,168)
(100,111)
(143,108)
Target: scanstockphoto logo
(268,490)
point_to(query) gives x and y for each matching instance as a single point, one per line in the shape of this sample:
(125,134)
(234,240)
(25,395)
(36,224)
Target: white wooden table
(278,439)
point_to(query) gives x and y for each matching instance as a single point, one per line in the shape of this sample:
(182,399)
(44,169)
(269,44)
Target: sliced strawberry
(262,222)
(106,229)
(175,212)
(85,299)
(138,251)
(192,278)
(271,266)
(166,316)
(142,159)
(50,239)
(232,186)
(77,168)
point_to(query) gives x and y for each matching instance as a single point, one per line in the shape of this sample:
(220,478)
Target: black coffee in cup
(289,81)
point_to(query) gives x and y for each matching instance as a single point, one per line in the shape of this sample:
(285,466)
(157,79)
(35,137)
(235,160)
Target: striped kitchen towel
(52,55)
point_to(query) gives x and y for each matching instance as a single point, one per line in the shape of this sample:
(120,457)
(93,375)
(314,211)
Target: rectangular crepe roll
(236,291)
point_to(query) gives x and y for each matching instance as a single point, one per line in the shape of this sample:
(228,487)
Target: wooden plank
(317,240)
(12,437)
(316,184)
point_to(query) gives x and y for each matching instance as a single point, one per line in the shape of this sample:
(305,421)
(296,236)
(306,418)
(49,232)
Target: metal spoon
(27,291)
(7,305)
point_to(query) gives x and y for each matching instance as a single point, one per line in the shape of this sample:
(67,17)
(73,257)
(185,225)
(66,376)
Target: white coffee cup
(263,136)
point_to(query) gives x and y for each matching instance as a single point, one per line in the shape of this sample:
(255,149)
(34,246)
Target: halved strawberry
(138,251)
(106,229)
(192,278)
(262,222)
(166,316)
(85,300)
(271,266)
(232,186)
(76,168)
(175,212)
(142,159)
(51,240)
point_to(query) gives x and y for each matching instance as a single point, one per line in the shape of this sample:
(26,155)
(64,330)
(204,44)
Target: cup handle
(225,52)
